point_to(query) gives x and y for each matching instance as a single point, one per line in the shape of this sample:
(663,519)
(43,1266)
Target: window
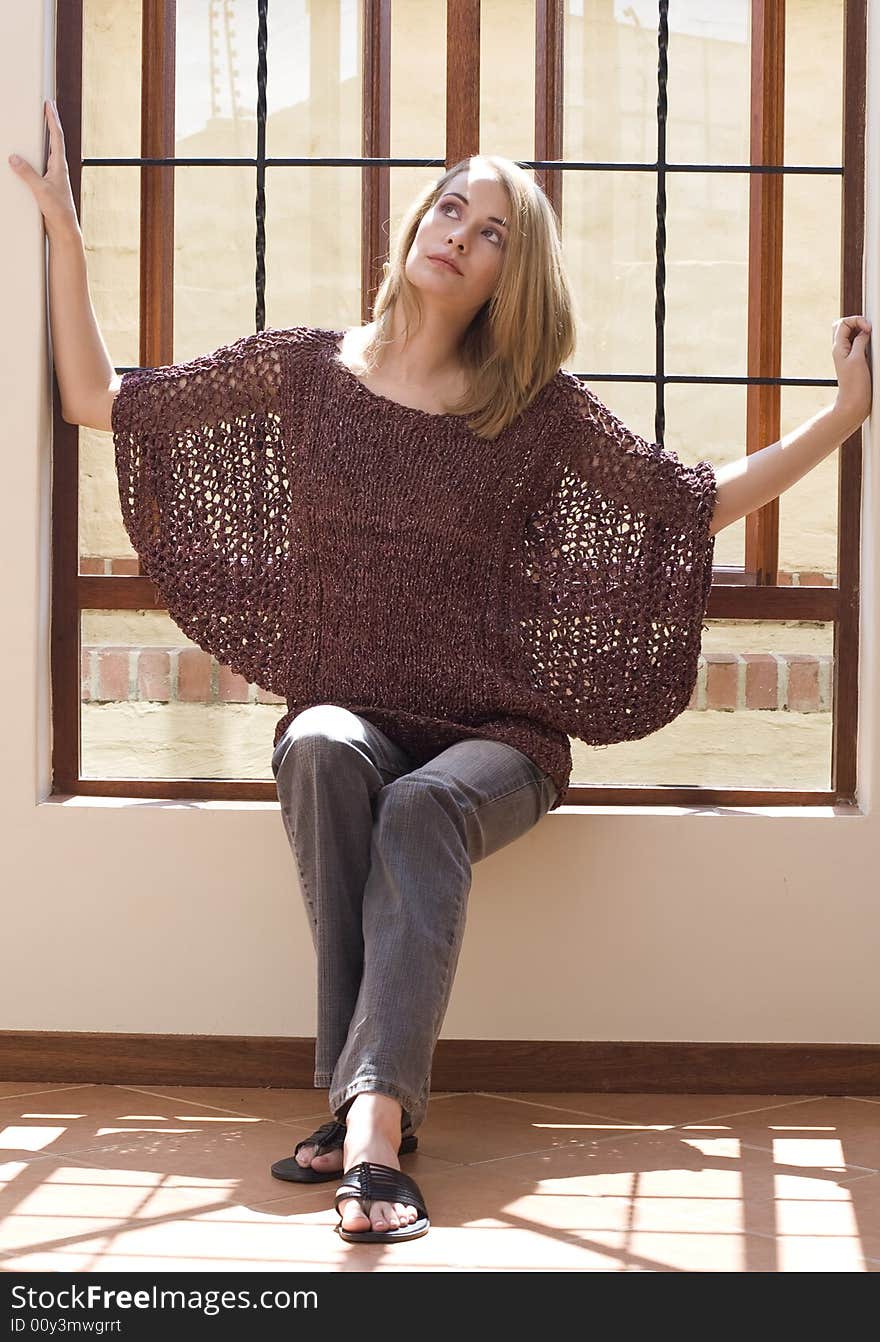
(700,182)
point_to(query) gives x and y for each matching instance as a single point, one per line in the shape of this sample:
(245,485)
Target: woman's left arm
(750,482)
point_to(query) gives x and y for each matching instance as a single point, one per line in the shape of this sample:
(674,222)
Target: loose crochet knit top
(334,546)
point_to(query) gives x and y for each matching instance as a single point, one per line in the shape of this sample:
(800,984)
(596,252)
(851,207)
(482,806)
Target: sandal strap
(370,1182)
(328,1137)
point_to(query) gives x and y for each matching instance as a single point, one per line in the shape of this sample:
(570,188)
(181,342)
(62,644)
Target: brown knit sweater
(334,546)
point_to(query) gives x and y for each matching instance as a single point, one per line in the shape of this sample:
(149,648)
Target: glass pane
(709,421)
(707,259)
(610,76)
(814,85)
(155,706)
(507,78)
(418,79)
(314,78)
(215,111)
(111,73)
(610,56)
(214,258)
(709,80)
(811,262)
(608,223)
(313,247)
(760,717)
(808,509)
(811,303)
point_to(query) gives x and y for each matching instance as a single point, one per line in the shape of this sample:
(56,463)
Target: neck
(431,354)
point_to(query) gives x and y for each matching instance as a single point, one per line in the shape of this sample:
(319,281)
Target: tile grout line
(644,1130)
(734,1113)
(220,1109)
(53,1090)
(865,1171)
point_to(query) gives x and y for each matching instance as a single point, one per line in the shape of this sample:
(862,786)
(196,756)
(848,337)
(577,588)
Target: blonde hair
(522,334)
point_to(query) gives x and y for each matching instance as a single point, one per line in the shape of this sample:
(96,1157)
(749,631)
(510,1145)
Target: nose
(455,236)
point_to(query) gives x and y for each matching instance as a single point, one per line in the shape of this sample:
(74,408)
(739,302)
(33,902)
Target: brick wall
(731,681)
(184,675)
(798,682)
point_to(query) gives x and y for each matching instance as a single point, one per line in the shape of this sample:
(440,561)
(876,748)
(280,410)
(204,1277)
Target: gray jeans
(384,854)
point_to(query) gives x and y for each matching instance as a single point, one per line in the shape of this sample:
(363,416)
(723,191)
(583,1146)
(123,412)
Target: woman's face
(470,233)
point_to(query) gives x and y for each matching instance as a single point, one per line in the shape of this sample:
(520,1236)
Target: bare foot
(329,1160)
(373,1133)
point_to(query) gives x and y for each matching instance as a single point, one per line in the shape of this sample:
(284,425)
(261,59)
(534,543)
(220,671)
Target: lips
(445,261)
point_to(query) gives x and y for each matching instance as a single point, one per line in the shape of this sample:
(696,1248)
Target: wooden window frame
(749,593)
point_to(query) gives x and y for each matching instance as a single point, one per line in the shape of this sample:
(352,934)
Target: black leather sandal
(369,1183)
(328,1137)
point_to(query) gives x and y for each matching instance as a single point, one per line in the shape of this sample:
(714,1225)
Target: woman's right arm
(87,381)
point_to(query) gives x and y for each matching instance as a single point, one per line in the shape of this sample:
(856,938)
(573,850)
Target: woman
(450,557)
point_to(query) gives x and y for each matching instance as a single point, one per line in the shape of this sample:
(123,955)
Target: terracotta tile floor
(176,1178)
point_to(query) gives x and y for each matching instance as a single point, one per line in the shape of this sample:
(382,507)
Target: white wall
(599,924)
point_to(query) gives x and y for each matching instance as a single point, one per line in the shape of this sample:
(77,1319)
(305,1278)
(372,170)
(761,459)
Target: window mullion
(462,79)
(156,316)
(549,96)
(766,201)
(376,143)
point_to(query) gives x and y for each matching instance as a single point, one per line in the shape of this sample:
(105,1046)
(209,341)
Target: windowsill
(162,803)
(710,808)
(185,803)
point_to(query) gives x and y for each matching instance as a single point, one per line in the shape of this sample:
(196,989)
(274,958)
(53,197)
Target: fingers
(56,138)
(56,134)
(23,168)
(853,324)
(851,334)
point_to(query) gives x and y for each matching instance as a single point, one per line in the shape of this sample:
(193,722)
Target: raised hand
(850,354)
(52,190)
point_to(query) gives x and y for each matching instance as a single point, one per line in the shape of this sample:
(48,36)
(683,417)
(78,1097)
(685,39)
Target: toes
(325,1161)
(353,1215)
(390,1215)
(384,1215)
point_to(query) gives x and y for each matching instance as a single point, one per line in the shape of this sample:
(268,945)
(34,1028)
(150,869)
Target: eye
(451,205)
